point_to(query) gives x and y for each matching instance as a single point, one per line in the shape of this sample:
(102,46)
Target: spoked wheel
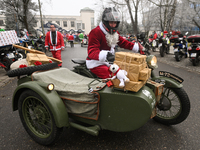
(174,107)
(162,51)
(37,118)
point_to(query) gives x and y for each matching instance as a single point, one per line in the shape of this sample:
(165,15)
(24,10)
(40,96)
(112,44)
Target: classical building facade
(83,22)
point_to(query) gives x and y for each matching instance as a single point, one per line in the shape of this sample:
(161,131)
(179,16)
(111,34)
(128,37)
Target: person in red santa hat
(102,41)
(54,39)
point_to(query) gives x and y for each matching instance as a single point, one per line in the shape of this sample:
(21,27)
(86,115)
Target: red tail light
(198,48)
(189,48)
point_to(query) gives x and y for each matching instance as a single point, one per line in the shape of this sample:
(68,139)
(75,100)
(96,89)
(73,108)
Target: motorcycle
(164,45)
(44,111)
(84,42)
(144,43)
(194,49)
(6,58)
(180,48)
(38,44)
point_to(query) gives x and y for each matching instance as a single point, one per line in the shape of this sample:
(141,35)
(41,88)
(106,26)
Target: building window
(78,25)
(58,22)
(83,26)
(1,22)
(64,23)
(92,21)
(72,23)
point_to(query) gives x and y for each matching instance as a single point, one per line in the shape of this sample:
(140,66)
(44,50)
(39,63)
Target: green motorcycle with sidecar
(53,98)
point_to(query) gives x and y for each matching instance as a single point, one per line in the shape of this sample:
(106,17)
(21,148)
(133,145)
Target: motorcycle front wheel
(174,106)
(178,56)
(162,51)
(153,49)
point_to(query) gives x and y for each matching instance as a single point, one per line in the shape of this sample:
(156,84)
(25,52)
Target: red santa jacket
(59,41)
(155,36)
(98,47)
(70,38)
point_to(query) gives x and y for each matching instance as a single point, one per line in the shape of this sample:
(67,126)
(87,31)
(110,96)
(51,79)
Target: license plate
(193,54)
(160,44)
(154,43)
(176,50)
(10,55)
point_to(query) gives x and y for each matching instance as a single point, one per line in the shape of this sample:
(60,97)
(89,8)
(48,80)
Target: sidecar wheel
(37,118)
(31,69)
(174,106)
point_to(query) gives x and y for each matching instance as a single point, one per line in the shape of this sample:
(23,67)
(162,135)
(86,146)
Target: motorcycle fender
(51,98)
(168,82)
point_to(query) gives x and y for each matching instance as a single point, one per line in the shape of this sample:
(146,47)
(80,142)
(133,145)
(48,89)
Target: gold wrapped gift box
(135,65)
(32,58)
(145,74)
(131,58)
(130,86)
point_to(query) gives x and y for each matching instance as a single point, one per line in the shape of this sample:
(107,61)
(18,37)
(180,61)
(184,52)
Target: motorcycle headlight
(50,86)
(152,61)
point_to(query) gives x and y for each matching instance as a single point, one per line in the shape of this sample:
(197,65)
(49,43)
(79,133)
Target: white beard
(112,39)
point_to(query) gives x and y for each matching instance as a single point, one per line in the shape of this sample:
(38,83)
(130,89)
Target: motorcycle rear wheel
(195,62)
(174,106)
(7,62)
(162,52)
(178,56)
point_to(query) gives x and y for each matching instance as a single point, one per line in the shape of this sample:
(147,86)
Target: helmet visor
(113,15)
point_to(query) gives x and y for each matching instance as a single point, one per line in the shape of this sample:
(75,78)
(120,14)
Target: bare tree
(23,10)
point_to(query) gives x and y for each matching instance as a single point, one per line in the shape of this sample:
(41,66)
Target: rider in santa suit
(102,41)
(54,39)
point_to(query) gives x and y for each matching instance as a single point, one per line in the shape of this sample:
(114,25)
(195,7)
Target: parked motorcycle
(38,44)
(6,58)
(194,49)
(84,42)
(180,47)
(145,43)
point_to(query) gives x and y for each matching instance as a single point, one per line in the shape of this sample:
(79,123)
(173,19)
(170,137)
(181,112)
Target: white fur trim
(135,47)
(95,63)
(102,55)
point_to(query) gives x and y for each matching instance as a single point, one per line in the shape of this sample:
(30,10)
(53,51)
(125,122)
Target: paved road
(151,136)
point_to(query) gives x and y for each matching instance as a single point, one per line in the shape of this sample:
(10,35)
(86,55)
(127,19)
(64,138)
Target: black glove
(110,57)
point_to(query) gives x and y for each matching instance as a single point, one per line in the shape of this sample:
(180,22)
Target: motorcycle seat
(79,61)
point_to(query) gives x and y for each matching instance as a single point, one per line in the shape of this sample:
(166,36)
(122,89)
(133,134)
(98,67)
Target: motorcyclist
(102,42)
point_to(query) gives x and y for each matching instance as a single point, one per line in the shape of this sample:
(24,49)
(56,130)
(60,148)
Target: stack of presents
(33,57)
(136,67)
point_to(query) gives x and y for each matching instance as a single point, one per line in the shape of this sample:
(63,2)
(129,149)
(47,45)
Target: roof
(87,9)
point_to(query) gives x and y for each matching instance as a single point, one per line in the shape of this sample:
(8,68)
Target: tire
(182,101)
(153,49)
(162,52)
(167,49)
(177,56)
(81,44)
(195,62)
(21,54)
(37,118)
(7,62)
(31,69)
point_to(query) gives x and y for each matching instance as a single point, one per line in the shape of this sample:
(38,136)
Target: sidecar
(49,100)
